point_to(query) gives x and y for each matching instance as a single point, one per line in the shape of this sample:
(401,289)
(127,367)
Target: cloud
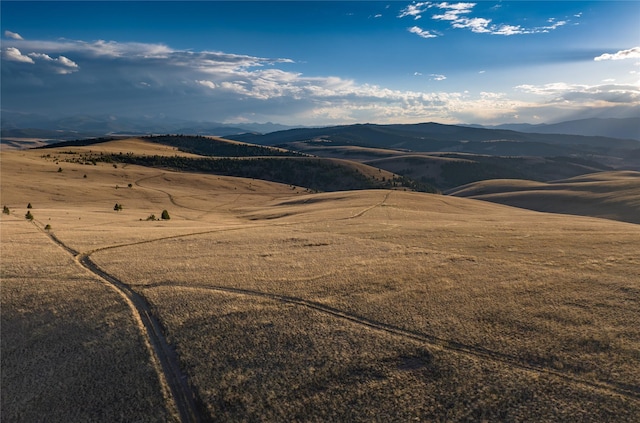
(458,16)
(138,78)
(561,92)
(415,10)
(13,35)
(208,84)
(453,11)
(14,55)
(632,53)
(421,32)
(62,65)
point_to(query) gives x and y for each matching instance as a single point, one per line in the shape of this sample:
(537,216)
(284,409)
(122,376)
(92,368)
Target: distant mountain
(434,137)
(628,128)
(25,125)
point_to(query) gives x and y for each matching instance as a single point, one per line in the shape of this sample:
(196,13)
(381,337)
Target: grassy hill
(282,305)
(611,195)
(429,137)
(226,157)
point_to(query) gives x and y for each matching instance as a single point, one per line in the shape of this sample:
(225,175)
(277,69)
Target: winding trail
(169,371)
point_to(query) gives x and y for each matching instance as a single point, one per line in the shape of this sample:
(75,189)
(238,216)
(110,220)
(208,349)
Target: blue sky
(326,62)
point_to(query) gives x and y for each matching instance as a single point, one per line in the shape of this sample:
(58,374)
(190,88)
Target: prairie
(373,305)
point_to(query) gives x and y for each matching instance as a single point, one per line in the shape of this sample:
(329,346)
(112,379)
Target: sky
(317,63)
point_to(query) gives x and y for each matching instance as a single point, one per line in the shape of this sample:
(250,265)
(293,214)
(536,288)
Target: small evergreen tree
(165,215)
(28,216)
(29,206)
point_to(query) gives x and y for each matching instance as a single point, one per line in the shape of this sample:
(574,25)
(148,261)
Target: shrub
(6,210)
(151,217)
(117,207)
(28,216)
(29,206)
(47,227)
(165,215)
(59,169)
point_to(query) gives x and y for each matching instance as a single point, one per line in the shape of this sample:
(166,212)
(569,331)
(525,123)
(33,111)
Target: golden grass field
(609,195)
(282,305)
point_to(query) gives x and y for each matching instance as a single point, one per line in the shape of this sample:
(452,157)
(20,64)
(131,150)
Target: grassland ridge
(446,344)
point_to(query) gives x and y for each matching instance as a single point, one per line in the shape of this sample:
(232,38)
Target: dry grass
(610,195)
(355,306)
(70,348)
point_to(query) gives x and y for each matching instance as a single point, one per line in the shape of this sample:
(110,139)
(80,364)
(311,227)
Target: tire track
(162,354)
(629,391)
(447,344)
(183,395)
(362,212)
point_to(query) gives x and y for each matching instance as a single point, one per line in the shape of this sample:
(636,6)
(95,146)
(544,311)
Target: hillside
(430,137)
(449,170)
(231,158)
(610,195)
(277,304)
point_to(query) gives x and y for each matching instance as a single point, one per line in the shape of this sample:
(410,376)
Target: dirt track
(168,369)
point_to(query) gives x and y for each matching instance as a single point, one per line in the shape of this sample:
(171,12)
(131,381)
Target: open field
(373,305)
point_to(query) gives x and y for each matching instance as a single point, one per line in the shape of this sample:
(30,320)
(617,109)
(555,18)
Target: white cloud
(478,25)
(13,35)
(437,77)
(453,11)
(62,65)
(574,94)
(208,84)
(509,30)
(14,55)
(415,10)
(421,32)
(457,14)
(67,62)
(632,53)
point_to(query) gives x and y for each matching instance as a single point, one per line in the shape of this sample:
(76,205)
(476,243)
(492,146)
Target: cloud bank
(75,76)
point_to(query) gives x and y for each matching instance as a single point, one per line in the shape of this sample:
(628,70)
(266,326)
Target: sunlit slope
(285,305)
(322,300)
(611,195)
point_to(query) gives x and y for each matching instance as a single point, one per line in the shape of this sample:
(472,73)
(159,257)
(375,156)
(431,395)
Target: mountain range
(628,128)
(28,125)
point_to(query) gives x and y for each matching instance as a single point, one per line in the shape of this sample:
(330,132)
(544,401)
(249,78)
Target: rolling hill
(277,304)
(610,195)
